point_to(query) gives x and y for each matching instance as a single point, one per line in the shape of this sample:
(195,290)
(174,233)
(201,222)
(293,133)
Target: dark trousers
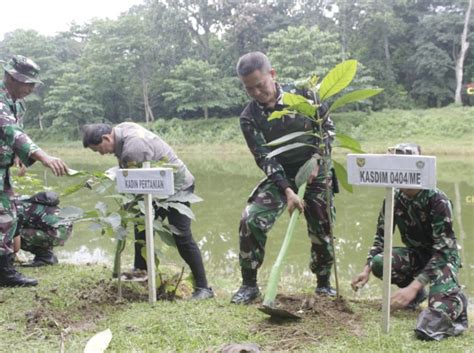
(185,243)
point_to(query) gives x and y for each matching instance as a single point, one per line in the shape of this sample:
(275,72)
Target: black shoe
(9,277)
(326,290)
(135,275)
(43,258)
(245,295)
(419,298)
(202,294)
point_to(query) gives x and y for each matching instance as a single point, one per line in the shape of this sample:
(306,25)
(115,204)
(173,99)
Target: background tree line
(176,58)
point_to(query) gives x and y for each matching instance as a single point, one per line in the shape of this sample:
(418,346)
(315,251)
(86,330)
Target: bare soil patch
(321,317)
(91,304)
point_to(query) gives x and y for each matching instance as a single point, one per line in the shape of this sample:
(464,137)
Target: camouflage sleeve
(256,141)
(377,246)
(19,142)
(444,249)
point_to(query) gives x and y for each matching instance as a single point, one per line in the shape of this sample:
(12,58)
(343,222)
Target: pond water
(225,179)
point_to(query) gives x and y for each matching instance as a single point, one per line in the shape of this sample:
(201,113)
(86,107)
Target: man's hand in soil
(361,279)
(404,296)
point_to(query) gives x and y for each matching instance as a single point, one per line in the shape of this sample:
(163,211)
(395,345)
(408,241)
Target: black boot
(324,287)
(249,291)
(245,295)
(9,277)
(43,257)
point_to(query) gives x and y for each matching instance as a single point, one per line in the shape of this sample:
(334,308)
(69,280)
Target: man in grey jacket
(132,145)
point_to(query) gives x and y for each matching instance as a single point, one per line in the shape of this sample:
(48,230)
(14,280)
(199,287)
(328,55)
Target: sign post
(147,181)
(387,259)
(390,171)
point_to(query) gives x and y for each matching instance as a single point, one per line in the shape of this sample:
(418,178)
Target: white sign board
(392,170)
(158,181)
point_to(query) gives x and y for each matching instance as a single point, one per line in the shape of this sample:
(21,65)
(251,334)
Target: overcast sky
(51,16)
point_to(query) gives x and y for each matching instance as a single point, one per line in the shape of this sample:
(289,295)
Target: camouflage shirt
(258,131)
(13,140)
(426,225)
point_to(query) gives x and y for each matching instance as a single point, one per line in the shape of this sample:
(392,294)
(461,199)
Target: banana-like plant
(334,82)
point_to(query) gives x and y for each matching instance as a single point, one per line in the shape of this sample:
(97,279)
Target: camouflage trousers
(444,294)
(266,204)
(8,223)
(40,227)
(38,224)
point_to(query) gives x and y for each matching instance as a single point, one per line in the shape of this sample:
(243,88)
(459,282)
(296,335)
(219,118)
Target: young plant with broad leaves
(126,213)
(334,82)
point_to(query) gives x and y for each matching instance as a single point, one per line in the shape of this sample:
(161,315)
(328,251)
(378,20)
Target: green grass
(72,303)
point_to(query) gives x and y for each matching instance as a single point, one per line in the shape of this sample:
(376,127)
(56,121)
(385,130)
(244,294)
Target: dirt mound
(320,317)
(91,303)
(107,292)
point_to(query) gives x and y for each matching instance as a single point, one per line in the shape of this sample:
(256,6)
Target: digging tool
(269,306)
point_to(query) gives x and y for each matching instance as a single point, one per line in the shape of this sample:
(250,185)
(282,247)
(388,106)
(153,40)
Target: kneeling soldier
(430,257)
(40,227)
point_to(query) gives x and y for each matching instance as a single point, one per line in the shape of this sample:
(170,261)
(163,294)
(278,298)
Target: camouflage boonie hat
(405,148)
(23,69)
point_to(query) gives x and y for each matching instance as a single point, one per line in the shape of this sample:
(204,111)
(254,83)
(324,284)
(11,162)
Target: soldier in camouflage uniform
(40,227)
(430,257)
(20,78)
(278,189)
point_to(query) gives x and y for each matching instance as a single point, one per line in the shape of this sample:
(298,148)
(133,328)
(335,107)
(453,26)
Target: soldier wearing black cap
(21,75)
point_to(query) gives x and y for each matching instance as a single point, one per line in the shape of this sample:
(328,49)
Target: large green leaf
(341,174)
(337,79)
(121,233)
(290,99)
(101,207)
(287,138)
(305,171)
(181,208)
(185,196)
(104,186)
(114,220)
(298,103)
(71,212)
(304,108)
(350,148)
(72,189)
(345,141)
(278,114)
(164,233)
(354,97)
(289,147)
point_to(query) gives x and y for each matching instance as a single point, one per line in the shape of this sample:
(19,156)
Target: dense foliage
(175,59)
